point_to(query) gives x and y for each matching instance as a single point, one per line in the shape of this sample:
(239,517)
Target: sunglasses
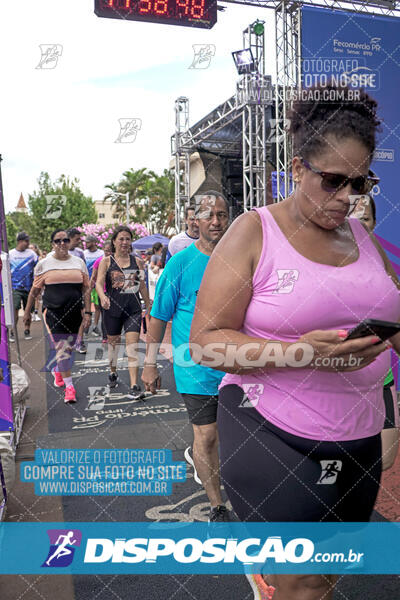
(331,182)
(59,241)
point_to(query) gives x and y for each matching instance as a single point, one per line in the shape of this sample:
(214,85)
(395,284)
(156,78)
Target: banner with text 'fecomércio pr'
(364,52)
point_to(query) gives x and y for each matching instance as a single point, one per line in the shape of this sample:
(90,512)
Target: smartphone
(383,329)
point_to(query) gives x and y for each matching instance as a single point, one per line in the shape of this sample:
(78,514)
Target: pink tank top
(293,295)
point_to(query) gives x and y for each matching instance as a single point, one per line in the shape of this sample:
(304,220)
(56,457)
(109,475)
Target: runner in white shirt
(185,238)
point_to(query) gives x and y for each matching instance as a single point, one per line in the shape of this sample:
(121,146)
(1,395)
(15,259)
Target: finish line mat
(99,407)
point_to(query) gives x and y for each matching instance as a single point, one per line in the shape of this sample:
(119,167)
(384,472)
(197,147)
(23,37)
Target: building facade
(104,212)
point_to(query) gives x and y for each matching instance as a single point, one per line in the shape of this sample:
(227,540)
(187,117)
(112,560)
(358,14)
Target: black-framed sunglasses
(332,182)
(59,241)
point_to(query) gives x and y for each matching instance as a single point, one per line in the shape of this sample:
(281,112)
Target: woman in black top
(123,276)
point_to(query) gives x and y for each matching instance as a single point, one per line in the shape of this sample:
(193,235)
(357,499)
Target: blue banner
(363,50)
(199,548)
(274,183)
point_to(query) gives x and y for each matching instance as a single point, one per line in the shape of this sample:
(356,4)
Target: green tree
(12,231)
(16,222)
(58,204)
(135,183)
(160,209)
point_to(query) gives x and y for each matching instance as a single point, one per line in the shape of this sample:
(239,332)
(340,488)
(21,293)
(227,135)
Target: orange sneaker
(70,394)
(58,379)
(261,590)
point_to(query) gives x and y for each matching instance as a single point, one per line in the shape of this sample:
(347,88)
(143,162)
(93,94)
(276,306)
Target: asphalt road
(101,420)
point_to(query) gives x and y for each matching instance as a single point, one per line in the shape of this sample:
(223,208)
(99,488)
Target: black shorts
(63,320)
(20,297)
(391,407)
(114,325)
(271,475)
(202,410)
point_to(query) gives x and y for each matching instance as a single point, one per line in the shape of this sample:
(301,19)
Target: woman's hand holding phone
(333,352)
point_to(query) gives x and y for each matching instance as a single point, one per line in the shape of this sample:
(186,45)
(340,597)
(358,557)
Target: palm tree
(133,182)
(161,205)
(118,202)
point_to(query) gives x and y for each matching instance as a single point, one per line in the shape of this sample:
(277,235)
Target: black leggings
(103,325)
(271,475)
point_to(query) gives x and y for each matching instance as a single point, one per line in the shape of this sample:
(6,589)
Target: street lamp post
(127,204)
(127,208)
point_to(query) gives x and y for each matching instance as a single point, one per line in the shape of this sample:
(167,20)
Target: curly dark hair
(332,110)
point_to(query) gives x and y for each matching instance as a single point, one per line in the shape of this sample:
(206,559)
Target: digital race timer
(189,13)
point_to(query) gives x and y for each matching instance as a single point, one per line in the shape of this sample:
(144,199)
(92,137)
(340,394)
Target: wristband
(87,312)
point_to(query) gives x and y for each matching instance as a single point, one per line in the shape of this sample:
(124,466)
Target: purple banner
(6,410)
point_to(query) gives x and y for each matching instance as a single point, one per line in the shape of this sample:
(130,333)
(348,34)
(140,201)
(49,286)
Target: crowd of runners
(288,441)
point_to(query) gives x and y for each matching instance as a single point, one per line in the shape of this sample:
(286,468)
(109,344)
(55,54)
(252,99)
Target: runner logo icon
(62,547)
(286,280)
(251,396)
(50,55)
(203,54)
(128,130)
(330,471)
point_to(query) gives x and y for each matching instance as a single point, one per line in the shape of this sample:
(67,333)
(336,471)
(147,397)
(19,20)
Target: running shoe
(58,379)
(12,338)
(261,589)
(27,334)
(113,380)
(136,392)
(35,316)
(188,454)
(96,331)
(70,394)
(219,514)
(81,348)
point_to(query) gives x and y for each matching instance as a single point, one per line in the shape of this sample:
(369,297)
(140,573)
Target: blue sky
(65,119)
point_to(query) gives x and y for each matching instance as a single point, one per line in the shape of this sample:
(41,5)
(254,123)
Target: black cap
(22,236)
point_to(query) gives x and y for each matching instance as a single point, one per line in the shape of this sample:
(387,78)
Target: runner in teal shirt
(175,299)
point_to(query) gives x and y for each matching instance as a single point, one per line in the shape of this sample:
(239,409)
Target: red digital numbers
(189,13)
(197,10)
(145,6)
(119,3)
(159,7)
(193,8)
(183,4)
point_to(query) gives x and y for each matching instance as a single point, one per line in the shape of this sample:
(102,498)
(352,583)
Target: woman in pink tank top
(301,408)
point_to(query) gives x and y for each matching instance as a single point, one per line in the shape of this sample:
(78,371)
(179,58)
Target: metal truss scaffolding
(182,158)
(376,7)
(287,27)
(256,91)
(288,65)
(245,113)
